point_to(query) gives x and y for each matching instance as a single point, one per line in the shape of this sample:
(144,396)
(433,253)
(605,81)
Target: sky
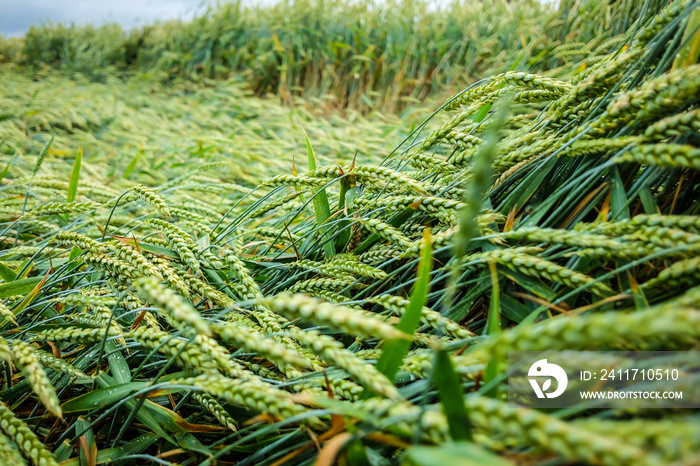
(17,15)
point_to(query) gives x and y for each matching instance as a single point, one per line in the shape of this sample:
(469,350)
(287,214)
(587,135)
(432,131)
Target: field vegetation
(335,53)
(193,274)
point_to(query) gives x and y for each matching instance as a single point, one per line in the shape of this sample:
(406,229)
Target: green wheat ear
(27,360)
(28,443)
(180,314)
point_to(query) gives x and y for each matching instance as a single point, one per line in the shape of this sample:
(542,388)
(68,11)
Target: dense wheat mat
(320,247)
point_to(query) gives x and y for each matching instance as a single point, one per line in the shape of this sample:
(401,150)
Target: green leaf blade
(74,177)
(395,350)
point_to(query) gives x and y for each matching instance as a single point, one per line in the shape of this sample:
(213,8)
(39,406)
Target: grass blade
(74,177)
(19,287)
(493,323)
(395,350)
(321,206)
(689,53)
(454,454)
(452,397)
(7,273)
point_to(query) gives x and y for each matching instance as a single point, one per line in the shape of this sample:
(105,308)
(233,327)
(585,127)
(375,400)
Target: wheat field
(193,274)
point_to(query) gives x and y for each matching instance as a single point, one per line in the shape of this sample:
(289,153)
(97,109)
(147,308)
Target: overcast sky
(17,15)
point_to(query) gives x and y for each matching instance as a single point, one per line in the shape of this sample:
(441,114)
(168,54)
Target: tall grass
(167,313)
(338,53)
